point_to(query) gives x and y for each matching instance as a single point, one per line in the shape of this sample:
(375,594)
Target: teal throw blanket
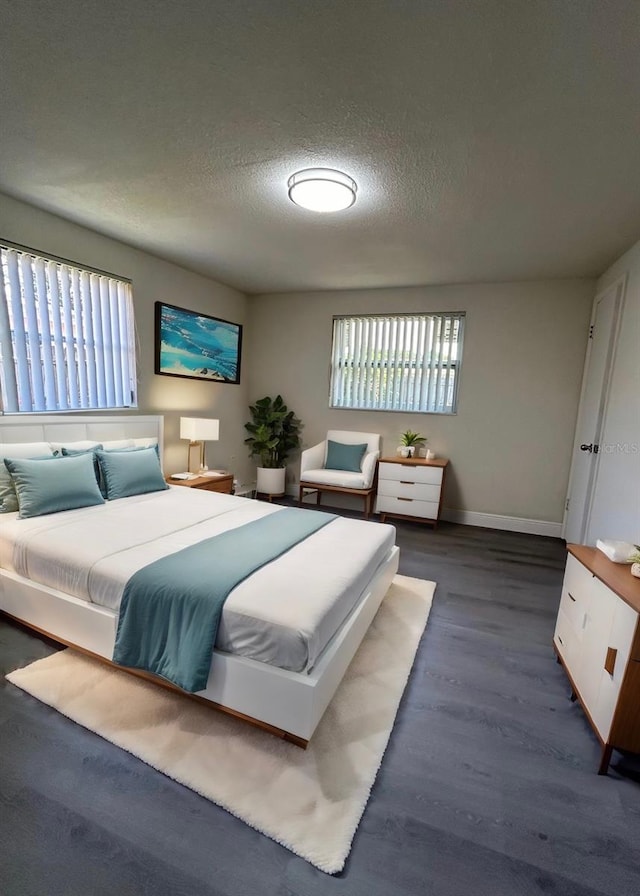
(171,609)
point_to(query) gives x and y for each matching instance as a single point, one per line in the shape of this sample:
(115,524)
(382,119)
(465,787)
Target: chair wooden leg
(300,495)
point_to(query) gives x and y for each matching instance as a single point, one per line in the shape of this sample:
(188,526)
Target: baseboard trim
(485,520)
(507,523)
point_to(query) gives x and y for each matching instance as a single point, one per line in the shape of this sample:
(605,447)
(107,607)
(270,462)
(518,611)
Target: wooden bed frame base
(163,683)
(289,704)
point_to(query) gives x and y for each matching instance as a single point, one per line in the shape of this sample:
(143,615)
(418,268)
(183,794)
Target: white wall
(510,442)
(153,280)
(616,499)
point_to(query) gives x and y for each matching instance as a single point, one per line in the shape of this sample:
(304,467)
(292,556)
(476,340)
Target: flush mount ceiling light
(322,189)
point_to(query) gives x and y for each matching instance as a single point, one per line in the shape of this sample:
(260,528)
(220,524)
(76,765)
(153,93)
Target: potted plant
(410,441)
(635,562)
(274,432)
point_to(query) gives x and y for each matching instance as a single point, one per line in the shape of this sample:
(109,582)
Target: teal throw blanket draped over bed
(171,609)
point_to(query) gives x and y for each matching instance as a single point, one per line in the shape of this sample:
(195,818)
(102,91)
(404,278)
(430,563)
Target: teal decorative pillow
(49,485)
(344,457)
(8,497)
(76,452)
(130,472)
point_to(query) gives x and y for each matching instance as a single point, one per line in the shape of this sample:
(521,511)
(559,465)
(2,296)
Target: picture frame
(196,346)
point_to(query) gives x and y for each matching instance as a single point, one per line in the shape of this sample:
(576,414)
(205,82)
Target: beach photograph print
(197,346)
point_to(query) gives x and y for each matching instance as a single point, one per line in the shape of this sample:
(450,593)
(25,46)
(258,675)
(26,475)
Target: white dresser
(410,488)
(597,640)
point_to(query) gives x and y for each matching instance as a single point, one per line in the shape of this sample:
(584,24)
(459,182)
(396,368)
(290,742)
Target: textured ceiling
(490,140)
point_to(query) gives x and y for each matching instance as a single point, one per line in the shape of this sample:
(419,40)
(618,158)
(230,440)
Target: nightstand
(222,483)
(411,488)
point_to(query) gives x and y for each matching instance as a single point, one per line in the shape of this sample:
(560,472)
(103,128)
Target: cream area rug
(310,801)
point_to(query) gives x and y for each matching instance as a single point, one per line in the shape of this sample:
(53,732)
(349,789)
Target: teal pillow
(49,485)
(20,450)
(130,472)
(76,452)
(345,457)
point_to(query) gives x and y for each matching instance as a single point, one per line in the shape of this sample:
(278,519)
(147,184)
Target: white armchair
(315,476)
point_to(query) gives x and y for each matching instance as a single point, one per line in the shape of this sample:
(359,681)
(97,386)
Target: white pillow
(145,443)
(115,444)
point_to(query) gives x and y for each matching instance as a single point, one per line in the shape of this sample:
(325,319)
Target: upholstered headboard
(69,428)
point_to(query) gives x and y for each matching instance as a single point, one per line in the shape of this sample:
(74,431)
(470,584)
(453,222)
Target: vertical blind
(67,337)
(402,362)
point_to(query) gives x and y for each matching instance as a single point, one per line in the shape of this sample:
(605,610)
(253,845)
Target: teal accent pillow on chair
(133,471)
(344,457)
(49,485)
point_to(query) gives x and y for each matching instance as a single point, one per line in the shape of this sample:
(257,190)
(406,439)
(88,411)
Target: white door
(603,332)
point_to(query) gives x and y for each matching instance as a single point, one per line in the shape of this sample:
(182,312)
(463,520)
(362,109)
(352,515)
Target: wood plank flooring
(489,784)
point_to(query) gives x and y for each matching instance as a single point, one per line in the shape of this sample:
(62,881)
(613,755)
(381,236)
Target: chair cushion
(344,457)
(339,478)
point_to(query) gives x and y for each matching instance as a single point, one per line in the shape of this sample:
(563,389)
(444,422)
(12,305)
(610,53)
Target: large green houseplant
(274,432)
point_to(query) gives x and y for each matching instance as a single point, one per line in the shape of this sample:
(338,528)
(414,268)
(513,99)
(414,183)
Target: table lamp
(199,430)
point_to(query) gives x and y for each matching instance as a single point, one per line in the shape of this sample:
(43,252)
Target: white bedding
(283,614)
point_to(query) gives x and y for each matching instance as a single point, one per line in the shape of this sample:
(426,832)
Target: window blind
(402,362)
(67,337)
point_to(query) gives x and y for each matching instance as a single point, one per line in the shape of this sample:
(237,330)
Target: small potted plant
(635,562)
(274,432)
(410,441)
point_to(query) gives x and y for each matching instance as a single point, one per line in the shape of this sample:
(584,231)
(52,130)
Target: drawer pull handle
(561,641)
(610,659)
(571,597)
(405,499)
(406,482)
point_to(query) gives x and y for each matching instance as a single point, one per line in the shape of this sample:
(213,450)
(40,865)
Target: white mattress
(283,614)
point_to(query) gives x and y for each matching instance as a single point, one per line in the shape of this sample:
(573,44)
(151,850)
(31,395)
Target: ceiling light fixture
(322,189)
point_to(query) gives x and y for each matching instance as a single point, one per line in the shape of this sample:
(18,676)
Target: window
(399,362)
(67,339)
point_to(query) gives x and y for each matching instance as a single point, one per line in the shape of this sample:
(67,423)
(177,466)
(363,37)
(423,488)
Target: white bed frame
(289,704)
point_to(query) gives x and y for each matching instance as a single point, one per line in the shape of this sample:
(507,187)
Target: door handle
(590,448)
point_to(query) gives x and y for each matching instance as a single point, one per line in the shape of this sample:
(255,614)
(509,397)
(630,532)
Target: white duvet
(283,614)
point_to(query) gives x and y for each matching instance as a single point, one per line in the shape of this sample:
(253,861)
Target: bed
(288,631)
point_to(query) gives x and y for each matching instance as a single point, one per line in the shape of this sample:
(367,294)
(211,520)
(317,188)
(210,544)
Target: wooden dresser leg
(605,759)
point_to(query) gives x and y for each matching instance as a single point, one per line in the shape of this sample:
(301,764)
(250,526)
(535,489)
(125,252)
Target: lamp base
(195,457)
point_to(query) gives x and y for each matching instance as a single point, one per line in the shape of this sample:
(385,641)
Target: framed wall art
(196,346)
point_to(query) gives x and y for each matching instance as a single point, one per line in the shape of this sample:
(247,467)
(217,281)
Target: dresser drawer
(419,491)
(577,579)
(427,510)
(574,606)
(565,640)
(410,473)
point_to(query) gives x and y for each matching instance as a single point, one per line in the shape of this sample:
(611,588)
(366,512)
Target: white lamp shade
(199,429)
(322,189)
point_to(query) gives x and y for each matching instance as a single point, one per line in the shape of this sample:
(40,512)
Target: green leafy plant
(274,432)
(634,557)
(412,439)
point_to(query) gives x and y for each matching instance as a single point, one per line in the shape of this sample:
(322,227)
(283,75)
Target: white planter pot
(271,481)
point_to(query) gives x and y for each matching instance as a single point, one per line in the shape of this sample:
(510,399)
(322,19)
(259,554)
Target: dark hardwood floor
(488,786)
